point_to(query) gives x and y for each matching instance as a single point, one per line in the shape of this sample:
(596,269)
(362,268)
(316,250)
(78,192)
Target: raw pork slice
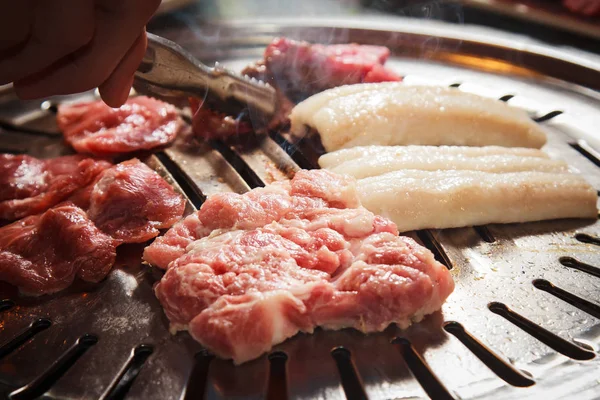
(30,186)
(43,254)
(397,114)
(253,209)
(131,202)
(363,162)
(142,123)
(286,259)
(416,199)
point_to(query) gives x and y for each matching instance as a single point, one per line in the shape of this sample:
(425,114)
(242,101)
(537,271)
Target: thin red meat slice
(43,254)
(131,202)
(289,257)
(309,68)
(303,194)
(30,186)
(142,123)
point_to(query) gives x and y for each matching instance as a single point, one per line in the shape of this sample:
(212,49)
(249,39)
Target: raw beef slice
(30,186)
(43,254)
(142,123)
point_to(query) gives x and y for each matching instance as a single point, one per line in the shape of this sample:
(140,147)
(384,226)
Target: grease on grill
(120,387)
(421,371)
(44,382)
(548,338)
(21,339)
(575,301)
(570,262)
(501,368)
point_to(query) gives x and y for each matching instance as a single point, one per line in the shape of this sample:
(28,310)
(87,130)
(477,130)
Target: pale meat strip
(397,114)
(447,199)
(335,158)
(377,160)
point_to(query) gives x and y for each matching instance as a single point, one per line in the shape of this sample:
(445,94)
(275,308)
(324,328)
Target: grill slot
(589,239)
(44,382)
(277,385)
(493,361)
(587,151)
(195,197)
(547,117)
(247,174)
(543,335)
(421,371)
(197,381)
(570,262)
(6,305)
(485,233)
(292,150)
(35,328)
(350,380)
(576,301)
(121,386)
(429,241)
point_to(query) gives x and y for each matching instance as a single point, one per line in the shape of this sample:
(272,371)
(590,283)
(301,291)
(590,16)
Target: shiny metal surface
(170,71)
(503,334)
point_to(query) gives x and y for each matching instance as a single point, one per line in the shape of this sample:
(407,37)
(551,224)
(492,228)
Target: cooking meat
(302,67)
(455,198)
(298,69)
(142,123)
(209,124)
(398,114)
(307,255)
(363,162)
(131,202)
(43,254)
(30,186)
(253,209)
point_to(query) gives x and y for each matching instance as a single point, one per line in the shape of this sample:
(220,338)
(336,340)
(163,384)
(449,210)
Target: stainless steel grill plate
(522,322)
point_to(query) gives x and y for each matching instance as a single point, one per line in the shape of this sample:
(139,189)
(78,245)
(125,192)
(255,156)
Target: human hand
(54,47)
(589,8)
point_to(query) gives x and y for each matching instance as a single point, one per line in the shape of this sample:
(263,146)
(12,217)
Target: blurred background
(571,24)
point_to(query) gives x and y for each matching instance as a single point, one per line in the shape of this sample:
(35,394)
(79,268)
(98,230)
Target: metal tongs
(168,70)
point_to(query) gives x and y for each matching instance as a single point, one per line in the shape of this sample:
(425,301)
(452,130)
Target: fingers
(59,27)
(15,23)
(117,30)
(115,90)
